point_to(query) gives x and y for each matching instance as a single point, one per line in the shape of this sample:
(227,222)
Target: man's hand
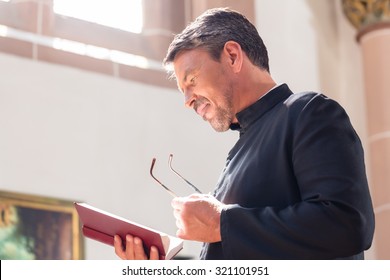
(198,217)
(133,249)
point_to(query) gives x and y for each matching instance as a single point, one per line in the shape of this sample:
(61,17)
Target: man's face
(206,87)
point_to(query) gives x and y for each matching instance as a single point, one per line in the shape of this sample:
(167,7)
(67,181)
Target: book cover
(103,226)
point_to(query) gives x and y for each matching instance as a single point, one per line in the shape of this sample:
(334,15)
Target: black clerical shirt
(294,183)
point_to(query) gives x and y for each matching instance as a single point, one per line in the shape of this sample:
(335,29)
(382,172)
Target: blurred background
(85,103)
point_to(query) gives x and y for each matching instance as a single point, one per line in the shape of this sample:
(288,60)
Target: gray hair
(213,29)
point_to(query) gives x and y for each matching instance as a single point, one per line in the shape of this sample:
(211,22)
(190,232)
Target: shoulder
(312,102)
(304,98)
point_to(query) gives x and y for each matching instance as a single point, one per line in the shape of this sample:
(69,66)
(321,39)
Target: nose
(189,99)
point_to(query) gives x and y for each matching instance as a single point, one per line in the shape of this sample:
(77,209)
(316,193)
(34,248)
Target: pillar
(372,21)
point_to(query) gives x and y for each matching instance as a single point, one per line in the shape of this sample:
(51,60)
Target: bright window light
(3,31)
(5,0)
(121,14)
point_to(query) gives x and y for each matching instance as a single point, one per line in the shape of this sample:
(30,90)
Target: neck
(254,84)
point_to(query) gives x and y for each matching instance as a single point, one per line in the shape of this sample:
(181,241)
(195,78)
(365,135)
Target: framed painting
(40,228)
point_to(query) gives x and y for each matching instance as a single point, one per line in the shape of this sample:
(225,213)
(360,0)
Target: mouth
(201,109)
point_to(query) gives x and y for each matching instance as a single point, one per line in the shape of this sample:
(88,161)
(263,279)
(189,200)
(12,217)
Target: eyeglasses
(174,171)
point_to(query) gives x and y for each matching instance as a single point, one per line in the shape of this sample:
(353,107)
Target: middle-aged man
(294,185)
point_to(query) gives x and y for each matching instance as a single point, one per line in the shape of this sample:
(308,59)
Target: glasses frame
(174,171)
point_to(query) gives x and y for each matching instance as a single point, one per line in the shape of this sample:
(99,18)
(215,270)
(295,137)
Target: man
(294,185)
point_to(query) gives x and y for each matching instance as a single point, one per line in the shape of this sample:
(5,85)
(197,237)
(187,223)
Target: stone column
(372,20)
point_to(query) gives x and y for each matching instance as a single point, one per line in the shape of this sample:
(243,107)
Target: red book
(103,226)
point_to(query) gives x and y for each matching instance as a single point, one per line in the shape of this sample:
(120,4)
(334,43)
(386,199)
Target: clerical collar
(247,116)
(275,86)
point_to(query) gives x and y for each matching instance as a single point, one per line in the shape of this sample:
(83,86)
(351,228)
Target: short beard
(222,121)
(224,114)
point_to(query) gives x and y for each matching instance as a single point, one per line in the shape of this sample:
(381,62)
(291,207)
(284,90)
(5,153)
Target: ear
(234,54)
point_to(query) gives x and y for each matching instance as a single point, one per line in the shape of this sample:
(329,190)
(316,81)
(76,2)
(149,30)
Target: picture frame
(39,227)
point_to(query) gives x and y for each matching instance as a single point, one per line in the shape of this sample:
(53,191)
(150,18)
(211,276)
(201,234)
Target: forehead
(188,61)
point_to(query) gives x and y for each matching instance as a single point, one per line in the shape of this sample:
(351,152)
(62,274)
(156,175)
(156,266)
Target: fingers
(178,202)
(125,251)
(119,249)
(180,228)
(134,249)
(138,248)
(179,212)
(154,255)
(198,217)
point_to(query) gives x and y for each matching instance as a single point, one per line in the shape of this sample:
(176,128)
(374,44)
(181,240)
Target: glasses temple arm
(158,181)
(174,171)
